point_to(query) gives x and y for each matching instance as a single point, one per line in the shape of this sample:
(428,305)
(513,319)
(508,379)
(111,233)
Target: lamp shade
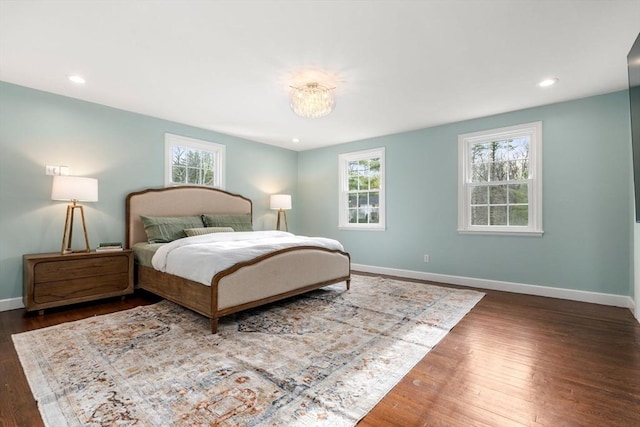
(77,188)
(280,201)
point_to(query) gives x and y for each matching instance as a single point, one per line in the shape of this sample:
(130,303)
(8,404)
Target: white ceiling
(396,65)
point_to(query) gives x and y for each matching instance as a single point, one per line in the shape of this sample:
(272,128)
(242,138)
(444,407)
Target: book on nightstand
(109,246)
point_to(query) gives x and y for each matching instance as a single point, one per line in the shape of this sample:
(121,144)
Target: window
(191,161)
(362,190)
(500,181)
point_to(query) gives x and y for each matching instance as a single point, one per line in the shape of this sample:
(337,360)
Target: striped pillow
(206,230)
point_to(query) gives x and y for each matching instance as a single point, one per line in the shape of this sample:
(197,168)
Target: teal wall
(587,219)
(125,151)
(587,209)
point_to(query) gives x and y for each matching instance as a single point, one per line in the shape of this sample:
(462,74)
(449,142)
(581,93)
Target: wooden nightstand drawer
(52,280)
(55,270)
(79,288)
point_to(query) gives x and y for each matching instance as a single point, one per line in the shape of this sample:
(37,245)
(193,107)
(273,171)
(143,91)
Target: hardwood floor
(514,360)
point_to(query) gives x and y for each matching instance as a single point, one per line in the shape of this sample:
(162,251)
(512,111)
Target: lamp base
(68,231)
(282,212)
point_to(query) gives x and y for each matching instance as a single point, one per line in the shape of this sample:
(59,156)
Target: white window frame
(343,204)
(218,150)
(534,181)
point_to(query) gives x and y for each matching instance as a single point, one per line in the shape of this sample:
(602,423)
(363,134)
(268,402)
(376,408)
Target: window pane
(480,195)
(208,178)
(374,198)
(353,216)
(498,194)
(519,148)
(193,159)
(364,182)
(207,160)
(363,199)
(353,200)
(519,215)
(178,174)
(179,156)
(480,153)
(499,150)
(193,176)
(479,215)
(374,165)
(352,167)
(480,172)
(499,171)
(519,193)
(519,169)
(363,216)
(353,183)
(497,215)
(374,217)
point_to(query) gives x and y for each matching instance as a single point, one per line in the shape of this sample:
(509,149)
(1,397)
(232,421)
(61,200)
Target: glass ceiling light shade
(312,100)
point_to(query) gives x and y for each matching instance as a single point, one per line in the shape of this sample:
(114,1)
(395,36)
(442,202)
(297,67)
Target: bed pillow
(241,222)
(206,230)
(164,229)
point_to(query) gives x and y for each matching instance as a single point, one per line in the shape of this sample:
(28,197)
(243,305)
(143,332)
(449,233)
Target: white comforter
(199,258)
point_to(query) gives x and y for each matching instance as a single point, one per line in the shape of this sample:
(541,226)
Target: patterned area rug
(324,358)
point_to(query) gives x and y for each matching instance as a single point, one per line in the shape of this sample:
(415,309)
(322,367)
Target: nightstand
(53,280)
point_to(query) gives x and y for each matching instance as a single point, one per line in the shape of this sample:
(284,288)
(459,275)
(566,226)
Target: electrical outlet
(56,170)
(427,258)
(52,170)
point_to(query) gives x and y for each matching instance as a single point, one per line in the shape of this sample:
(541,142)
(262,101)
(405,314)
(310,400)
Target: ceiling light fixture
(312,100)
(77,79)
(548,82)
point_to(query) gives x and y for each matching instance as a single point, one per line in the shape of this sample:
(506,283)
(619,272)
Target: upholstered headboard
(178,201)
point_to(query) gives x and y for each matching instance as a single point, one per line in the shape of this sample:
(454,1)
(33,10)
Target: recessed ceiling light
(548,82)
(295,140)
(77,79)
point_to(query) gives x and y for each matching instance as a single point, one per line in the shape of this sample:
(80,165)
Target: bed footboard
(275,276)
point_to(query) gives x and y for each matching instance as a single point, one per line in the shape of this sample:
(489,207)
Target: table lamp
(281,202)
(75,189)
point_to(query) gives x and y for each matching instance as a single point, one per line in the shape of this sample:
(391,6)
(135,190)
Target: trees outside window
(362,190)
(190,161)
(500,181)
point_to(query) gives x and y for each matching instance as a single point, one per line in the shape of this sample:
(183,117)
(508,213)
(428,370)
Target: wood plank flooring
(514,360)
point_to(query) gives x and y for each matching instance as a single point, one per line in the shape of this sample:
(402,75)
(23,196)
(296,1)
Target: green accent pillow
(164,229)
(206,230)
(240,222)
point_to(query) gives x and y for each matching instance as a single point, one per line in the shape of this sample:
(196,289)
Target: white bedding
(199,258)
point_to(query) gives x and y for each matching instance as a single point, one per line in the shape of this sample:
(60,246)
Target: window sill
(351,228)
(503,232)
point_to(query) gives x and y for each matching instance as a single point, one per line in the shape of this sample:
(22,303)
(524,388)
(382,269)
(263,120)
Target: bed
(266,278)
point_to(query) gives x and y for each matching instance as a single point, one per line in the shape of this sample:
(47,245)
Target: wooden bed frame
(265,279)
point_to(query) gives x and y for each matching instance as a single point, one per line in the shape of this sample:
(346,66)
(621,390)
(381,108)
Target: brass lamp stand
(68,230)
(282,212)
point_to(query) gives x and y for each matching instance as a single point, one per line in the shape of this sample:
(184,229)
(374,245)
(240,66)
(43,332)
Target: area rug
(324,358)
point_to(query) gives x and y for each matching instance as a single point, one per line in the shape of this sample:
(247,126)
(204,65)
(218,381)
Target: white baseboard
(635,310)
(11,304)
(520,288)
